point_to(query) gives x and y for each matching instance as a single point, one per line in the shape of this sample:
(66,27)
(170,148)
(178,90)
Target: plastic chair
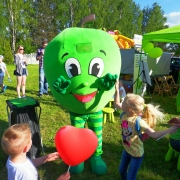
(110,112)
(111,102)
(27,110)
(169,155)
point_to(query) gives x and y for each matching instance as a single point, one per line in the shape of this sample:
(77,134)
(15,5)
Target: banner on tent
(141,73)
(138,41)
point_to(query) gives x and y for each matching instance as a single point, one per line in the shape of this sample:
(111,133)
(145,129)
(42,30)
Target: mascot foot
(77,169)
(98,166)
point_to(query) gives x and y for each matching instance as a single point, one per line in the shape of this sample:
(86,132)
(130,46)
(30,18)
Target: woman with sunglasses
(21,70)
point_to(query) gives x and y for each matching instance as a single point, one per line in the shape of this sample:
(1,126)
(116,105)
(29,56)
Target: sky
(171,9)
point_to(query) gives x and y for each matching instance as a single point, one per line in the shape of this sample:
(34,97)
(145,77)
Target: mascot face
(77,63)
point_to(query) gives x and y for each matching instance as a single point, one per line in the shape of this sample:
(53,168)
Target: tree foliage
(27,22)
(153,19)
(174,48)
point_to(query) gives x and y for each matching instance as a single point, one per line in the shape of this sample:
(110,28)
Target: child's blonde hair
(15,138)
(150,113)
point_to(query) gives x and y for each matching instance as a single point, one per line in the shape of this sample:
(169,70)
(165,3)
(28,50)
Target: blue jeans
(175,144)
(129,166)
(43,85)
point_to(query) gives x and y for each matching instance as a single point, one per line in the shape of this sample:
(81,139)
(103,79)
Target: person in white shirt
(3,70)
(16,142)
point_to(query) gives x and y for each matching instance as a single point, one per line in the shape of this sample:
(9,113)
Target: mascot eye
(96,67)
(72,67)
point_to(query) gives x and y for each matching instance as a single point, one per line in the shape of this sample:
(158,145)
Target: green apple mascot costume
(81,67)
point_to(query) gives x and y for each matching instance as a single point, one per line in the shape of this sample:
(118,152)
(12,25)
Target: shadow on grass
(153,167)
(111,156)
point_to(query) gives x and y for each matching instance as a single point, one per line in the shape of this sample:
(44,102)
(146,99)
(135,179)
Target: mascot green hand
(81,67)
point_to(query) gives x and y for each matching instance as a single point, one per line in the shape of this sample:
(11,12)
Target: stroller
(27,110)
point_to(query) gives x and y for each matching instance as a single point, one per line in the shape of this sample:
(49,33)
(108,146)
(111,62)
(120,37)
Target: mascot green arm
(61,85)
(108,81)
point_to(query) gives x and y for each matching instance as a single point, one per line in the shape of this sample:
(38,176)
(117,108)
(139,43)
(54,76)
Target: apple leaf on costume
(108,81)
(61,85)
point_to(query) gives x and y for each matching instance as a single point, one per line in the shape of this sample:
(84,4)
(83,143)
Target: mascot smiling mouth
(85,98)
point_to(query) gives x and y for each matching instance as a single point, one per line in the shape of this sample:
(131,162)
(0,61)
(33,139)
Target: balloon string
(68,168)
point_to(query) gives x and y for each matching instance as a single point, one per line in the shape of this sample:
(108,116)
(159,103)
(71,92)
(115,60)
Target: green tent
(165,35)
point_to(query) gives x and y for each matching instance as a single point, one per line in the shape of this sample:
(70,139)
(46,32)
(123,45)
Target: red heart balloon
(75,145)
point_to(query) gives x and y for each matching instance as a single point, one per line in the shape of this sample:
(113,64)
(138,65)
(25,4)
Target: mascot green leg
(77,169)
(98,166)
(94,122)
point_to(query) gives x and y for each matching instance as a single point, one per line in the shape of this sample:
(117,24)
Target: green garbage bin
(27,110)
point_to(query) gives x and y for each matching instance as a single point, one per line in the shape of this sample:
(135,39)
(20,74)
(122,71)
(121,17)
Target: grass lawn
(54,116)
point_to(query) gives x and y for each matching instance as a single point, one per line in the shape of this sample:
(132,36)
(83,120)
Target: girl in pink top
(133,152)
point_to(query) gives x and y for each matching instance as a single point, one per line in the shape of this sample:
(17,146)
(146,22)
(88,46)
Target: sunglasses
(21,49)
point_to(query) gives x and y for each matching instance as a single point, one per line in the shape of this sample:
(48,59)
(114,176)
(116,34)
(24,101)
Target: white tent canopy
(159,66)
